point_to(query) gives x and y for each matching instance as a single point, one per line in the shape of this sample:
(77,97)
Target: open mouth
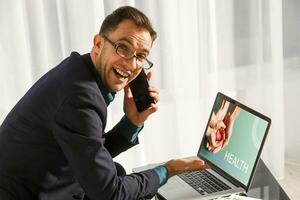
(120,74)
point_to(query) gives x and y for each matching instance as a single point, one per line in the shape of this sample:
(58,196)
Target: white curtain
(203,46)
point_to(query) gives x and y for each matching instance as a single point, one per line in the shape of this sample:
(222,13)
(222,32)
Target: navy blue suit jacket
(53,145)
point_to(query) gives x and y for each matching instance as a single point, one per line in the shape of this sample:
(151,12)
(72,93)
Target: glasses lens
(124,52)
(147,65)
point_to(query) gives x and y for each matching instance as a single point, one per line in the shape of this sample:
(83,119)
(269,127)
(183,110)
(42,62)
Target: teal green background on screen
(247,135)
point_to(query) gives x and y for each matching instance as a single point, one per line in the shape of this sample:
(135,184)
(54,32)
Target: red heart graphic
(220,134)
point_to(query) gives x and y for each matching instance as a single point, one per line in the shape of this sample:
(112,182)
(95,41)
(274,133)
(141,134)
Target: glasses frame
(116,47)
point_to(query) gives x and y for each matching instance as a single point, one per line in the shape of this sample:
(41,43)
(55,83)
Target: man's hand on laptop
(179,166)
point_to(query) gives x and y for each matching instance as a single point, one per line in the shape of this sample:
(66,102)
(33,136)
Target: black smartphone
(139,89)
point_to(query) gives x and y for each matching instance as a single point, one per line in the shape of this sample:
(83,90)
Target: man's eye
(123,47)
(141,57)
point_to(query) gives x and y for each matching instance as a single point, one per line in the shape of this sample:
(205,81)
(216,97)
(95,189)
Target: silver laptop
(231,144)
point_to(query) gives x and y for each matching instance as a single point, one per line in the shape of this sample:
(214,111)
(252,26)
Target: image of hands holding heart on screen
(220,127)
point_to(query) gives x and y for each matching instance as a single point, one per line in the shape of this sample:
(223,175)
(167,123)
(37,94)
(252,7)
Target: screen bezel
(219,170)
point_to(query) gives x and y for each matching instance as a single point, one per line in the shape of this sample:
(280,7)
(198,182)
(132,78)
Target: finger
(235,106)
(221,124)
(226,105)
(213,120)
(236,111)
(206,166)
(227,118)
(153,108)
(197,158)
(225,143)
(213,138)
(155,96)
(190,163)
(153,89)
(198,164)
(209,131)
(223,103)
(127,92)
(217,149)
(209,148)
(149,75)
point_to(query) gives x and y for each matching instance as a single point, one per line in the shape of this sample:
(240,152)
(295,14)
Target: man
(52,143)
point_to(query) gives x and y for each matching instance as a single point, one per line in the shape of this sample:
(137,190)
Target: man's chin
(117,88)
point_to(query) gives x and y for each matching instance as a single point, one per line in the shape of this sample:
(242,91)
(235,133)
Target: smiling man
(52,143)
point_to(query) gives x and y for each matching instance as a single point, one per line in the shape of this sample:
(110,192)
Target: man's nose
(131,63)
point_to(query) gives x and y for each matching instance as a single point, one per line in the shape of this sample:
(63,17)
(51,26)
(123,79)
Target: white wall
(291,43)
(292,113)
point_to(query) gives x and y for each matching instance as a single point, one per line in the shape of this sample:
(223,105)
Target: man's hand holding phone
(131,109)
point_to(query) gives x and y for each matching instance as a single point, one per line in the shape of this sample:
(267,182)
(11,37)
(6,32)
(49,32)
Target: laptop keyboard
(203,182)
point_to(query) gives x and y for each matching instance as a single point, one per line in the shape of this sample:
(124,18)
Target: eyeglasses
(124,51)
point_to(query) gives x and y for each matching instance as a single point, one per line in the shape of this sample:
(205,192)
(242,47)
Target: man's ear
(98,43)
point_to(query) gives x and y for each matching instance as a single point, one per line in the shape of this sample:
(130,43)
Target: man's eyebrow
(130,42)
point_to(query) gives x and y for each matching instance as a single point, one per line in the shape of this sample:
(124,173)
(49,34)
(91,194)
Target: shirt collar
(107,95)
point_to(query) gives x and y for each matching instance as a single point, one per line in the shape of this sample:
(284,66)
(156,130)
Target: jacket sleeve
(78,129)
(123,136)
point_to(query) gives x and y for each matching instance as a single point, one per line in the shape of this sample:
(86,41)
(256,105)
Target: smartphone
(139,89)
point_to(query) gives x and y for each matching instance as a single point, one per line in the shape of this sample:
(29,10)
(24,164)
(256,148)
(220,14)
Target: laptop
(231,144)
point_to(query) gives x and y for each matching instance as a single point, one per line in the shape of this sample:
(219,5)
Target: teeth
(123,74)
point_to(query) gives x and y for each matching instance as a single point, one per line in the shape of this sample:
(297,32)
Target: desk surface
(264,185)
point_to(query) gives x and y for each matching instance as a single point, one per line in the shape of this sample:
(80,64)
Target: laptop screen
(233,138)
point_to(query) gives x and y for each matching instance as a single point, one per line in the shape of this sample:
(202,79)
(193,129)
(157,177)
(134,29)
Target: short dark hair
(112,21)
